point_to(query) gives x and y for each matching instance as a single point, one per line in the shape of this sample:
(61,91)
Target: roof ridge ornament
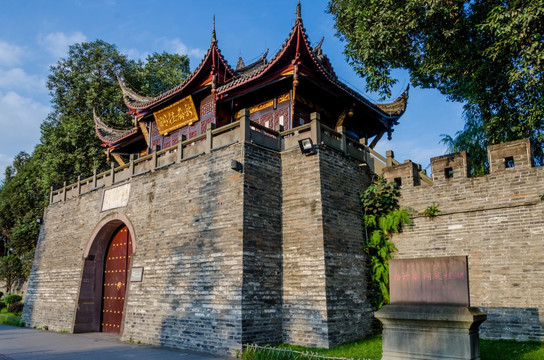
(128,92)
(317,48)
(398,106)
(214,38)
(240,64)
(299,18)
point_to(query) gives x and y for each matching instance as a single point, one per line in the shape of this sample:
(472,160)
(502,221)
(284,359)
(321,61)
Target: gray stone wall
(187,221)
(497,220)
(304,280)
(52,292)
(349,313)
(324,267)
(269,254)
(189,242)
(262,280)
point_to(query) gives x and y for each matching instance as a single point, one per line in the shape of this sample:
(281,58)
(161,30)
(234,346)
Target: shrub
(1,294)
(431,211)
(382,217)
(2,305)
(12,298)
(16,308)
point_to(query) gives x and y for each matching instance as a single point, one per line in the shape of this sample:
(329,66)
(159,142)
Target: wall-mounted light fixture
(236,165)
(307,146)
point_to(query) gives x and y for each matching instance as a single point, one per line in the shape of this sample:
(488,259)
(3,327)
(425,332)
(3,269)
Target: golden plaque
(177,115)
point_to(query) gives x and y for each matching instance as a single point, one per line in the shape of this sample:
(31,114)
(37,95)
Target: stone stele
(430,332)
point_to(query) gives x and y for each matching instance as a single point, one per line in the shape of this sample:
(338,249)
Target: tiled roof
(246,74)
(259,70)
(109,135)
(242,69)
(135,101)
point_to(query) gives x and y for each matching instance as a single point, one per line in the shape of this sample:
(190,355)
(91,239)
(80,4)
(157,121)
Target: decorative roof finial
(214,39)
(298,11)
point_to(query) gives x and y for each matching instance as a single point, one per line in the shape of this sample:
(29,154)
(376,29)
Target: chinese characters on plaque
(436,280)
(175,116)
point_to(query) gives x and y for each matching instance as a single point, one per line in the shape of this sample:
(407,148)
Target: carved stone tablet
(116,197)
(436,280)
(136,274)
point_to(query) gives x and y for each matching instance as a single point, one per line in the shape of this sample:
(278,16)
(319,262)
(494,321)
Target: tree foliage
(21,203)
(382,217)
(85,80)
(10,271)
(486,53)
(159,72)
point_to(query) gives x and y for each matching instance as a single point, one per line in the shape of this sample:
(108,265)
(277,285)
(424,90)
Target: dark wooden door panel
(115,280)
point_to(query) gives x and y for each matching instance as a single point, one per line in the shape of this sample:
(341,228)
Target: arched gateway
(105,272)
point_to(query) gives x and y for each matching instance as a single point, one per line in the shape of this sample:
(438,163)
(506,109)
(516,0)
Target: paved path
(28,344)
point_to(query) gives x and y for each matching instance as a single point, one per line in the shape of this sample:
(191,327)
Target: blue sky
(35,34)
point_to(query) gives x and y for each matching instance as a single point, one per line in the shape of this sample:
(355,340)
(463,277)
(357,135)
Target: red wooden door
(115,280)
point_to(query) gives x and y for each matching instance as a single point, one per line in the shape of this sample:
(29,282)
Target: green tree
(486,53)
(21,203)
(158,73)
(10,271)
(472,139)
(85,79)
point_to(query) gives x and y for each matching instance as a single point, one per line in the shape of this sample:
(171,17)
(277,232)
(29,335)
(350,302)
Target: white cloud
(5,160)
(18,79)
(135,54)
(10,54)
(178,47)
(57,43)
(20,121)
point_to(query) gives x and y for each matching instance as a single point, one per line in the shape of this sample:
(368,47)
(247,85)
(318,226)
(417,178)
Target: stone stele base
(430,332)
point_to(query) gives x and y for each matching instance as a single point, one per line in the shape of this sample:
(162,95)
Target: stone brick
(497,221)
(269,254)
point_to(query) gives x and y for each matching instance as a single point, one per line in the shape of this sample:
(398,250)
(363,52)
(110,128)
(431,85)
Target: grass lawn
(371,349)
(4,311)
(8,318)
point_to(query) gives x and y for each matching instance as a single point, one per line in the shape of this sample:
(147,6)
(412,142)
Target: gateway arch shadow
(89,306)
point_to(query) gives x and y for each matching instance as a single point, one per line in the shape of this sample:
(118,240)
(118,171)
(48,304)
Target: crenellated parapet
(506,157)
(510,155)
(404,174)
(495,220)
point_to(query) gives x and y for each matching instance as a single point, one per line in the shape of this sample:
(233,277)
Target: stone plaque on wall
(116,197)
(435,280)
(136,274)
